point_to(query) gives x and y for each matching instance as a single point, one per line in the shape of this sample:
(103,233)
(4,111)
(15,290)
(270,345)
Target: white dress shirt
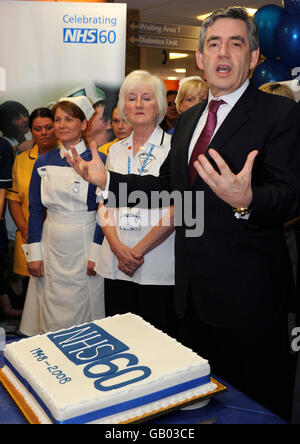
(222,112)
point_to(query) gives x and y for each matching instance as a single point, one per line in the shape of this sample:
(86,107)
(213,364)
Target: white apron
(66,295)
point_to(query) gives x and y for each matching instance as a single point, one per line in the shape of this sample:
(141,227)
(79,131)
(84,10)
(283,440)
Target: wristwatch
(241,212)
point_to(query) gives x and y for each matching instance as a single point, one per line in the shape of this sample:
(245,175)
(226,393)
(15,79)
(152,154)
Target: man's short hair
(234,12)
(107,106)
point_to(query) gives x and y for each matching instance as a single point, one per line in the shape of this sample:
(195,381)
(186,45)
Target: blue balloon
(267,19)
(291,6)
(288,40)
(270,70)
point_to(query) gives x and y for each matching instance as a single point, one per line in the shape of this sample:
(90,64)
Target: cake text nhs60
(92,346)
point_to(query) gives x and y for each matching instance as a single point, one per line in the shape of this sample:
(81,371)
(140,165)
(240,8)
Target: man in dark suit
(234,283)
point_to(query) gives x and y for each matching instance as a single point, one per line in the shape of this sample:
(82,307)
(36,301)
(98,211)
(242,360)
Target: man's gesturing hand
(234,189)
(92,171)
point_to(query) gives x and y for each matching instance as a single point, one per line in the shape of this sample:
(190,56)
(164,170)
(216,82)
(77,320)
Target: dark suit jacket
(239,271)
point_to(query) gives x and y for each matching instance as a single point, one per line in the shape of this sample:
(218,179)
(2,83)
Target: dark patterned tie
(204,138)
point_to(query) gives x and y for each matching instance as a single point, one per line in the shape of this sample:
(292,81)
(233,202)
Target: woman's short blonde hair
(189,86)
(140,77)
(278,89)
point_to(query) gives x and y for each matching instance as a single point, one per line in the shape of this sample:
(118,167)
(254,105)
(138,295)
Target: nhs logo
(80,35)
(86,343)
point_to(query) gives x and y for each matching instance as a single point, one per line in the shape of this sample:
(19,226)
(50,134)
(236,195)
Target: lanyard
(144,163)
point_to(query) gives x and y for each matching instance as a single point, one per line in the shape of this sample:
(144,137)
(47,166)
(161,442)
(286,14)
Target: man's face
(171,113)
(99,124)
(226,58)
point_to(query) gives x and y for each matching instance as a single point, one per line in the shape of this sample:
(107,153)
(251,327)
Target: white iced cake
(115,370)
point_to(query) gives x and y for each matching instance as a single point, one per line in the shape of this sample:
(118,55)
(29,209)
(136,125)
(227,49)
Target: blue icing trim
(138,402)
(118,408)
(86,343)
(30,389)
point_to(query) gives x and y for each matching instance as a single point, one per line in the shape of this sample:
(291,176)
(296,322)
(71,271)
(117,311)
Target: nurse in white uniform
(63,239)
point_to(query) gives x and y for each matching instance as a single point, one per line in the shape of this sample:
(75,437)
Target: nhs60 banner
(54,49)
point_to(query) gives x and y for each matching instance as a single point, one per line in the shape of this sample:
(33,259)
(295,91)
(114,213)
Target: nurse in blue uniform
(63,238)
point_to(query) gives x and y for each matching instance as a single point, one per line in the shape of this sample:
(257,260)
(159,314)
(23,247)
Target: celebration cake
(115,370)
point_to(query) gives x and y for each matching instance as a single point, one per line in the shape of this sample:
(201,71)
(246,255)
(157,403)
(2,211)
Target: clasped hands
(129,259)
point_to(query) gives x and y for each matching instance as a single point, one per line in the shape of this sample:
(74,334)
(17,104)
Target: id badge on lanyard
(129,218)
(144,163)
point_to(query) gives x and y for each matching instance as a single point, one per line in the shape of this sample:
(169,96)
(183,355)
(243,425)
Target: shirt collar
(34,152)
(232,98)
(80,148)
(154,139)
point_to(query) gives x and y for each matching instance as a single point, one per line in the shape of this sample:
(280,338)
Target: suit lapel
(237,117)
(183,143)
